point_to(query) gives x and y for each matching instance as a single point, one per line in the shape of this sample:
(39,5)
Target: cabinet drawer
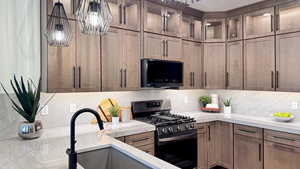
(122,139)
(282,137)
(248,131)
(201,128)
(140,139)
(147,148)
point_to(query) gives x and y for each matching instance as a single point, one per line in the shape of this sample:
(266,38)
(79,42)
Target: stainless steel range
(175,135)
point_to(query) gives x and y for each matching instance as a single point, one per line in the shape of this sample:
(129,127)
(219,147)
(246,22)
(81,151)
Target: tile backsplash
(256,103)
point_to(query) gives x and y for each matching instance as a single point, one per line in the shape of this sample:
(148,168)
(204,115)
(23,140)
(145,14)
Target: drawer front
(202,128)
(248,131)
(140,139)
(147,148)
(122,139)
(282,137)
(280,156)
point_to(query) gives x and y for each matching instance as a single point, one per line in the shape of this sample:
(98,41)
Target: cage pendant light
(94,16)
(58,27)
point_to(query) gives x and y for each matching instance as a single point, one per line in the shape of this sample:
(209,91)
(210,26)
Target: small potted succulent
(114,112)
(204,100)
(227,106)
(27,104)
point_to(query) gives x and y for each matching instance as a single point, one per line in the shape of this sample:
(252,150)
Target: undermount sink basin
(108,158)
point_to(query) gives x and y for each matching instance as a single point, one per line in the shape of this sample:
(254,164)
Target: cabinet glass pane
(259,23)
(234,28)
(172,21)
(131,13)
(153,18)
(115,11)
(191,28)
(289,18)
(197,29)
(214,30)
(185,27)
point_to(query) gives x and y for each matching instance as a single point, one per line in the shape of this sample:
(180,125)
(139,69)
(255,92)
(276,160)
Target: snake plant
(28,98)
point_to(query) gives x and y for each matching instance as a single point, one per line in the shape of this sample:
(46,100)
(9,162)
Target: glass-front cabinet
(234,28)
(288,18)
(259,23)
(160,19)
(191,28)
(214,30)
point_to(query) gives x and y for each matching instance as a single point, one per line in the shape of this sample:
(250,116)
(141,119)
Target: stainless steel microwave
(161,73)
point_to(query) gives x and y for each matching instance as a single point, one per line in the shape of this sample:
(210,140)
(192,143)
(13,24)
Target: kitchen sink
(108,158)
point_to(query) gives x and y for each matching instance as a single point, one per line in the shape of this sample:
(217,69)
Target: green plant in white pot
(227,106)
(27,104)
(114,112)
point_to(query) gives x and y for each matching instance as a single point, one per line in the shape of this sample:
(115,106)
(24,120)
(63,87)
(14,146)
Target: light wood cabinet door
(172,22)
(280,156)
(131,13)
(214,30)
(131,60)
(287,62)
(214,65)
(153,20)
(62,66)
(248,152)
(115,7)
(191,28)
(192,65)
(202,146)
(112,71)
(173,49)
(288,19)
(153,46)
(226,145)
(214,145)
(69,6)
(234,28)
(234,72)
(259,73)
(88,53)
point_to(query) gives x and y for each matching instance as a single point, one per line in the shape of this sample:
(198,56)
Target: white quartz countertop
(48,152)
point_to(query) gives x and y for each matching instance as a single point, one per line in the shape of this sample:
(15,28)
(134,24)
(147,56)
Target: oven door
(179,150)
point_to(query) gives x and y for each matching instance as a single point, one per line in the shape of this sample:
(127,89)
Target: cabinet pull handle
(284,138)
(209,136)
(227,31)
(79,76)
(259,152)
(139,140)
(125,78)
(192,30)
(163,20)
(277,80)
(121,82)
(272,79)
(247,131)
(205,79)
(277,22)
(272,23)
(227,80)
(193,79)
(74,77)
(120,14)
(164,46)
(191,83)
(124,14)
(282,147)
(167,48)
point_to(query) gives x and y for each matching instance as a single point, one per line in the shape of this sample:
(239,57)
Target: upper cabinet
(288,18)
(126,13)
(160,19)
(234,28)
(191,28)
(69,6)
(214,30)
(259,23)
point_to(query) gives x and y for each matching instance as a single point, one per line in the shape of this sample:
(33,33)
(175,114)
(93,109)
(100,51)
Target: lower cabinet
(202,141)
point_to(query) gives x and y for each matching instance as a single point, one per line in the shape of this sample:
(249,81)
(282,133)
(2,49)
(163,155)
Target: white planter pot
(115,121)
(30,130)
(227,109)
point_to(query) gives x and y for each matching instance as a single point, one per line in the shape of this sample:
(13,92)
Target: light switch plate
(73,108)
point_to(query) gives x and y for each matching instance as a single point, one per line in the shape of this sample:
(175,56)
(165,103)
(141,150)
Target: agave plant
(28,98)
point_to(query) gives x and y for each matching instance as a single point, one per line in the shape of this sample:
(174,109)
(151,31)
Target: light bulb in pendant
(58,34)
(94,17)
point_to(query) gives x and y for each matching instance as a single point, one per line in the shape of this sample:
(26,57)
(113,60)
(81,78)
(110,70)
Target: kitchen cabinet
(192,54)
(162,47)
(234,71)
(202,146)
(248,147)
(214,144)
(288,17)
(214,30)
(191,28)
(287,59)
(234,28)
(214,65)
(70,68)
(69,6)
(120,68)
(259,23)
(115,7)
(226,145)
(161,19)
(143,141)
(259,61)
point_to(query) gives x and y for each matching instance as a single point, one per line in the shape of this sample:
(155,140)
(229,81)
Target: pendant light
(94,16)
(58,27)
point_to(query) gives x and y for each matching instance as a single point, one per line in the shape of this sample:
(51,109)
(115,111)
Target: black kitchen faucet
(71,151)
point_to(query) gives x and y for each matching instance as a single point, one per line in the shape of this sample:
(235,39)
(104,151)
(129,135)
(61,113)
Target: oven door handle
(177,138)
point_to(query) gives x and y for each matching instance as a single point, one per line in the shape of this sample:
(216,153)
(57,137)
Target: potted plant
(114,112)
(27,104)
(204,100)
(227,106)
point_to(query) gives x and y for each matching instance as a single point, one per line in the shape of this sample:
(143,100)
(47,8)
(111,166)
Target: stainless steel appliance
(175,135)
(161,73)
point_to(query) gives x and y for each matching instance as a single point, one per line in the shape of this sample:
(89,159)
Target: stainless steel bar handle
(167,48)
(124,14)
(191,83)
(120,14)
(193,79)
(272,79)
(125,78)
(121,82)
(79,76)
(259,153)
(74,77)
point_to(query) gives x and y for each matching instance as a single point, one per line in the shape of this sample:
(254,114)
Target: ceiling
(221,5)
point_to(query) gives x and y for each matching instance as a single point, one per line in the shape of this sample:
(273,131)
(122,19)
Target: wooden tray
(211,110)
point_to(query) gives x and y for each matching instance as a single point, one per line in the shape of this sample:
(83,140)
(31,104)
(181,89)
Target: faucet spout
(71,151)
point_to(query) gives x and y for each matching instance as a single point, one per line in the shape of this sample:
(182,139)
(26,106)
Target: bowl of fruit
(283,116)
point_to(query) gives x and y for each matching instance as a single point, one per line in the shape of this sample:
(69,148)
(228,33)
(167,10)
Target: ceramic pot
(115,121)
(30,130)
(227,109)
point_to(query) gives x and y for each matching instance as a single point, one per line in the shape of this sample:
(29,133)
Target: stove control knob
(178,128)
(191,126)
(170,130)
(163,130)
(187,126)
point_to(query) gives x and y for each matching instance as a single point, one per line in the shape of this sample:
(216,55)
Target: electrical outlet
(295,105)
(73,108)
(45,111)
